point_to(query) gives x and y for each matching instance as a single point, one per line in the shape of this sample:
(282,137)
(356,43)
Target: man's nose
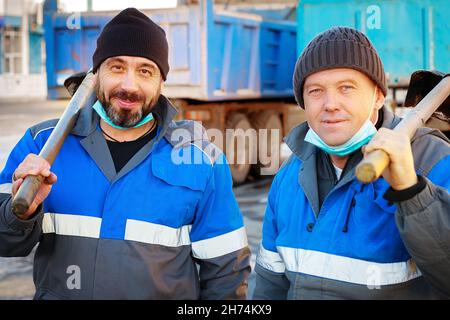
(330,103)
(129,82)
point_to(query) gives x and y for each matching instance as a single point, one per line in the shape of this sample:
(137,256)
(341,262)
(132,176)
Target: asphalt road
(15,117)
(16,280)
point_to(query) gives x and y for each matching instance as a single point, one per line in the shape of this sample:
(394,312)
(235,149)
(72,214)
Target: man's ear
(380,98)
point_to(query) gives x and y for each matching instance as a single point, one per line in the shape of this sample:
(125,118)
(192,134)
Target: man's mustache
(128,96)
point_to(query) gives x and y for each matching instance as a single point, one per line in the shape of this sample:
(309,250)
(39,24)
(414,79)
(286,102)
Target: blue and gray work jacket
(166,226)
(357,245)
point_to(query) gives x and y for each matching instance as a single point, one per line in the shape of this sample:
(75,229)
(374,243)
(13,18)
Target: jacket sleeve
(424,225)
(17,237)
(271,281)
(219,240)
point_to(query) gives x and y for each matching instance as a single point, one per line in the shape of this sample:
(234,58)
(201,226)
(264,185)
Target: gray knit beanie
(338,47)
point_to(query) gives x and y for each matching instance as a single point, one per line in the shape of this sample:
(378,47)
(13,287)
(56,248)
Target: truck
(232,61)
(231,66)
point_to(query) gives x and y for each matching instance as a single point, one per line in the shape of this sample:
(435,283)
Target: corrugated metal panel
(408,35)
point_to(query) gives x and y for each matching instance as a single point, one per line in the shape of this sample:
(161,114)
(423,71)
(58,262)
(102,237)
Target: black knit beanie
(132,33)
(338,47)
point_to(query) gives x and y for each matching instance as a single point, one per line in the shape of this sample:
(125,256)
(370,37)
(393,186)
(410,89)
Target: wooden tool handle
(24,199)
(372,166)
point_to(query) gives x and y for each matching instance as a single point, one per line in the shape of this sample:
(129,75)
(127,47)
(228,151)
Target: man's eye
(347,88)
(315,91)
(146,72)
(116,68)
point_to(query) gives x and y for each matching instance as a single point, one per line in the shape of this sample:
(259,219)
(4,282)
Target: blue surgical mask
(360,138)
(98,107)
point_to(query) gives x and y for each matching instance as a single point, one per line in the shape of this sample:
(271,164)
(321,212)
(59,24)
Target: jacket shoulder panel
(43,126)
(191,134)
(429,147)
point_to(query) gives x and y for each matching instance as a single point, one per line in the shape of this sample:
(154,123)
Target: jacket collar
(95,144)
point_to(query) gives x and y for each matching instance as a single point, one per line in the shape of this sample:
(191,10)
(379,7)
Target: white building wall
(22,86)
(12,7)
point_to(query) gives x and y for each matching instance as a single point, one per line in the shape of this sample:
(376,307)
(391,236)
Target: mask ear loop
(373,103)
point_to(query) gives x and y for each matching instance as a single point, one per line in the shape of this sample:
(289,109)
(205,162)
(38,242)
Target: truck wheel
(239,159)
(270,120)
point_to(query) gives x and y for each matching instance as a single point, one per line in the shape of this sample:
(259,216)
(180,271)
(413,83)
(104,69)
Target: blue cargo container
(214,54)
(409,35)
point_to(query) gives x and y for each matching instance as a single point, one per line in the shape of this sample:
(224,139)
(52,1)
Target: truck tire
(239,170)
(267,119)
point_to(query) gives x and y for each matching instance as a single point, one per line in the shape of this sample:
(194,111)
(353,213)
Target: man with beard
(117,217)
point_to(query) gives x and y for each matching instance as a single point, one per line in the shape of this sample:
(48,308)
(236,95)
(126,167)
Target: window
(12,44)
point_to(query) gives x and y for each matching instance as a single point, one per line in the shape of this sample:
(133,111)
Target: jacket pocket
(181,188)
(192,176)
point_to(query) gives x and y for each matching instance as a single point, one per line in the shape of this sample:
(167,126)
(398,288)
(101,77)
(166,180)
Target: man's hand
(400,173)
(33,165)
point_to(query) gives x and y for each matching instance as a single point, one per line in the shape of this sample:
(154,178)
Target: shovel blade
(421,83)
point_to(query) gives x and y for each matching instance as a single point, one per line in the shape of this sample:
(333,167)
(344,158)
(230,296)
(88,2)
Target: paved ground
(15,118)
(16,273)
(252,199)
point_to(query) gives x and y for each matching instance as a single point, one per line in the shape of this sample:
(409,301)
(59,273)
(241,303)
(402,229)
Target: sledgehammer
(84,96)
(372,166)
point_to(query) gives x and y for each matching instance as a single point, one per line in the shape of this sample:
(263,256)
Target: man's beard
(126,118)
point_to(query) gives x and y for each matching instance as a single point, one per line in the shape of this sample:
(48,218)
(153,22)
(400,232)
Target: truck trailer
(231,66)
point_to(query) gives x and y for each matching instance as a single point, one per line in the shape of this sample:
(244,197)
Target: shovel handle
(372,166)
